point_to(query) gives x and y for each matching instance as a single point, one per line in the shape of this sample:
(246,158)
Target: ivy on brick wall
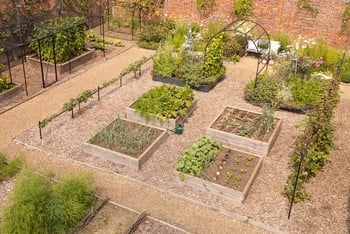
(307,6)
(242,9)
(205,6)
(346,19)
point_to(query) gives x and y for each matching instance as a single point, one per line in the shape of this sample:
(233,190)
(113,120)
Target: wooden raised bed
(11,92)
(133,115)
(181,83)
(232,120)
(230,175)
(89,54)
(131,161)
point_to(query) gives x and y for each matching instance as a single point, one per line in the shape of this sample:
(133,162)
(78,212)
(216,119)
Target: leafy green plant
(5,83)
(165,62)
(198,156)
(39,205)
(242,8)
(213,66)
(9,169)
(165,102)
(125,137)
(68,42)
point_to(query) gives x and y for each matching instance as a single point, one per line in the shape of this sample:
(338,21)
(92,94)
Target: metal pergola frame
(235,26)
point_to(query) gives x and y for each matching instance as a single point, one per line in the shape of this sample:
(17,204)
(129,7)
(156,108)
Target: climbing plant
(242,8)
(346,19)
(205,6)
(307,6)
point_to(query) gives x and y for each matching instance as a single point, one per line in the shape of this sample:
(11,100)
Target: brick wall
(275,15)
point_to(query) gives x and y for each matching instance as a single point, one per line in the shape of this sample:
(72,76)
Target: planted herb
(125,137)
(198,157)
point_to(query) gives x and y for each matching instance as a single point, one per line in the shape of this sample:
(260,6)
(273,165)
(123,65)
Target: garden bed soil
(181,83)
(11,92)
(239,128)
(64,67)
(116,154)
(111,219)
(133,115)
(230,175)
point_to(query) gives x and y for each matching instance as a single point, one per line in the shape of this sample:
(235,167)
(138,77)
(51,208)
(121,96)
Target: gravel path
(138,195)
(325,212)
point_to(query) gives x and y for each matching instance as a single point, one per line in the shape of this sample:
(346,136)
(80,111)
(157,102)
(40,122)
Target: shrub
(198,156)
(345,72)
(68,43)
(306,92)
(234,45)
(213,65)
(38,205)
(154,33)
(283,38)
(165,62)
(321,50)
(266,92)
(8,169)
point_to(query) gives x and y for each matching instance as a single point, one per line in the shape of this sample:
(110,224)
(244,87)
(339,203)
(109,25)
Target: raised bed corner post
(9,65)
(72,113)
(54,55)
(41,64)
(303,153)
(24,70)
(40,132)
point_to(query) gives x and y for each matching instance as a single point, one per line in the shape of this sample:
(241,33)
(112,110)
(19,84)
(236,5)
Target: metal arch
(260,66)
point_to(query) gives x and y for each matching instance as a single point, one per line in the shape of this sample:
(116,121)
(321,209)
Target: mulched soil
(231,169)
(326,211)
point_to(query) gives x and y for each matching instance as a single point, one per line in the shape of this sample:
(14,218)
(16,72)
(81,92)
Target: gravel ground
(325,212)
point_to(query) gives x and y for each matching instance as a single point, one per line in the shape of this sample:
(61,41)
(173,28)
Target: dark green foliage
(38,205)
(68,43)
(8,169)
(198,156)
(165,102)
(154,33)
